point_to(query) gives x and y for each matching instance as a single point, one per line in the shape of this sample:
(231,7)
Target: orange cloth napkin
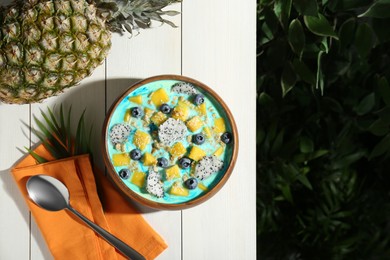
(65,235)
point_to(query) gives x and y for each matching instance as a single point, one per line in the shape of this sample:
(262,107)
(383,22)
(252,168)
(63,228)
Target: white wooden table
(215,44)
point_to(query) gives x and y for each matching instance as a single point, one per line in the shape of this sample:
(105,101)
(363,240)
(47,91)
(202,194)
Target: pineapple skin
(48,46)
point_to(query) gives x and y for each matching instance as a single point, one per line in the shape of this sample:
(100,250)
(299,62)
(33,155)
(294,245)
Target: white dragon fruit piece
(207,166)
(171,131)
(184,88)
(119,133)
(154,186)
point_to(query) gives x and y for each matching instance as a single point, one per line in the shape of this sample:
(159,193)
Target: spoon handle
(110,238)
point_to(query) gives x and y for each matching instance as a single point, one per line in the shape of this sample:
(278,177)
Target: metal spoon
(51,194)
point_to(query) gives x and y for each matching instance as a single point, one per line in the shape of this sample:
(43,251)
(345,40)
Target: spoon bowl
(51,194)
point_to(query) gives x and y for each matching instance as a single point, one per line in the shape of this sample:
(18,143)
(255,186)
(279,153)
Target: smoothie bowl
(169,142)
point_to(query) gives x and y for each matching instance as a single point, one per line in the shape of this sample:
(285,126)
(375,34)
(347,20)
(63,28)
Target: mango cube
(172,172)
(159,97)
(177,150)
(219,125)
(194,123)
(141,139)
(136,99)
(202,109)
(178,190)
(181,112)
(127,115)
(219,151)
(120,159)
(202,186)
(207,132)
(148,159)
(138,179)
(196,153)
(158,118)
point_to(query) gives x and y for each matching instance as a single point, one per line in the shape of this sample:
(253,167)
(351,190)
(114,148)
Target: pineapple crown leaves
(56,135)
(131,15)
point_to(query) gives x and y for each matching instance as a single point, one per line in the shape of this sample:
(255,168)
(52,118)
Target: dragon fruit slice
(184,88)
(171,131)
(153,184)
(119,133)
(207,166)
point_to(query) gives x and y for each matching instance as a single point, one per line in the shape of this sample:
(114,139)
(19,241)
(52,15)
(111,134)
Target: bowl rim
(153,204)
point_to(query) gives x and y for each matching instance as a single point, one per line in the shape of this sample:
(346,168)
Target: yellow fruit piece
(178,190)
(141,139)
(148,112)
(120,159)
(127,116)
(173,172)
(207,132)
(184,102)
(181,112)
(138,179)
(159,97)
(219,125)
(219,151)
(202,186)
(196,153)
(194,123)
(202,109)
(158,118)
(136,99)
(177,150)
(148,159)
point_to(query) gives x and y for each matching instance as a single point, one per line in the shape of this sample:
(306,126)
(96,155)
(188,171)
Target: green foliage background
(323,129)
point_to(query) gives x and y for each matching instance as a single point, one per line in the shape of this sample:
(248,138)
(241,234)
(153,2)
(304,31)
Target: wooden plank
(152,52)
(219,50)
(14,216)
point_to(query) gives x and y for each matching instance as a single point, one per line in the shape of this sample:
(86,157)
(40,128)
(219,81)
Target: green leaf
(303,71)
(305,181)
(383,89)
(286,191)
(288,78)
(364,40)
(306,145)
(319,26)
(282,9)
(296,37)
(319,76)
(380,148)
(366,104)
(37,157)
(306,7)
(278,142)
(379,127)
(379,9)
(347,33)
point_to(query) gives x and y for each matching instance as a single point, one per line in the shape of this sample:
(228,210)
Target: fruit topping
(135,154)
(207,166)
(178,190)
(141,139)
(171,131)
(159,97)
(138,179)
(137,112)
(191,183)
(184,88)
(198,99)
(124,173)
(181,112)
(172,172)
(120,159)
(219,151)
(149,160)
(136,99)
(219,125)
(153,184)
(165,108)
(177,150)
(201,109)
(162,162)
(198,139)
(184,163)
(227,138)
(194,123)
(196,153)
(119,133)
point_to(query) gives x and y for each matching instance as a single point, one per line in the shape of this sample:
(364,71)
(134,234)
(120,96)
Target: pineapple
(202,109)
(207,132)
(194,123)
(149,160)
(159,97)
(178,190)
(196,153)
(219,151)
(47,45)
(172,172)
(219,125)
(181,112)
(158,118)
(136,99)
(177,150)
(138,179)
(120,159)
(141,139)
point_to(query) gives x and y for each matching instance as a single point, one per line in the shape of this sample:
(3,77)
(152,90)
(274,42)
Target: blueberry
(165,108)
(162,162)
(124,173)
(198,99)
(137,112)
(198,139)
(135,154)
(191,183)
(184,163)
(227,138)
